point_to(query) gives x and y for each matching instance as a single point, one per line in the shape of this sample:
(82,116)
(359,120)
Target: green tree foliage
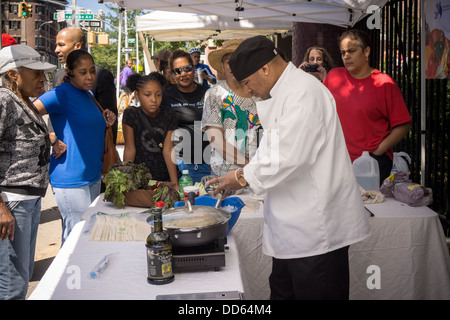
(106,57)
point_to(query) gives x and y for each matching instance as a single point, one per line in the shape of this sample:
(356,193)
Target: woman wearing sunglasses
(187,100)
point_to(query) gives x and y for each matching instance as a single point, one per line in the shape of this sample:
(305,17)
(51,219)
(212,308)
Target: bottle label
(159,263)
(181,186)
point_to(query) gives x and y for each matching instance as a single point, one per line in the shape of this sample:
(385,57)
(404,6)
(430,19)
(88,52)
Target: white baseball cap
(20,55)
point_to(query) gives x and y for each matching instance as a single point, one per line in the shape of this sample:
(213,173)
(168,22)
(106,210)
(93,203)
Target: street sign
(68,16)
(131,40)
(90,23)
(126,50)
(60,16)
(95,24)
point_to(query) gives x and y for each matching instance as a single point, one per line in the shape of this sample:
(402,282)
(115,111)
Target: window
(40,9)
(40,42)
(39,27)
(13,8)
(14,25)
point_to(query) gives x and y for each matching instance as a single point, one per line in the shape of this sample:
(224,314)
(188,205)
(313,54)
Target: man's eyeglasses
(187,68)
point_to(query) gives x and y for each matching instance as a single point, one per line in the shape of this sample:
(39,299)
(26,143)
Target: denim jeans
(72,203)
(17,256)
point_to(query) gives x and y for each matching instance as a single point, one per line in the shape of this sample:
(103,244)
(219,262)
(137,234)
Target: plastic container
(232,205)
(185,180)
(188,189)
(367,172)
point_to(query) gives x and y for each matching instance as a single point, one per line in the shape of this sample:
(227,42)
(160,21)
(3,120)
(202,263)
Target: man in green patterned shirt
(230,118)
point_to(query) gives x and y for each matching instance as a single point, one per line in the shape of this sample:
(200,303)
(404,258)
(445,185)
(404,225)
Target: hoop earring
(15,86)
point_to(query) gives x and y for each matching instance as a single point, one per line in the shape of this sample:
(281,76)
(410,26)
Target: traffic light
(22,9)
(25,9)
(29,10)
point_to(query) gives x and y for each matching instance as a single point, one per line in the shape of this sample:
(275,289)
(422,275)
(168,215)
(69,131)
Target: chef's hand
(226,183)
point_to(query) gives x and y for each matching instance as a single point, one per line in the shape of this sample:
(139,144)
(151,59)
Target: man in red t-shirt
(368,109)
(369,103)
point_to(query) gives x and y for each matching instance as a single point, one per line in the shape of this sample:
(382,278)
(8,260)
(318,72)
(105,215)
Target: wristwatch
(240,177)
(52,143)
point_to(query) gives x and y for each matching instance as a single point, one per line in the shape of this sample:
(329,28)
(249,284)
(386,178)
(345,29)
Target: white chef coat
(312,203)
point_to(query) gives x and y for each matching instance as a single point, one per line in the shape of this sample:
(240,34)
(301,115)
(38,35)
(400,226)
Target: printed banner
(437,39)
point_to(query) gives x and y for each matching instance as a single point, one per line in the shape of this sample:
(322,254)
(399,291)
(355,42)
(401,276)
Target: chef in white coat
(313,209)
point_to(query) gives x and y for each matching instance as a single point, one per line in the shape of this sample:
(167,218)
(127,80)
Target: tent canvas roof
(178,26)
(344,13)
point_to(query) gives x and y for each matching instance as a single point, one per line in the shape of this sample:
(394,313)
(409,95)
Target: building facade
(38,31)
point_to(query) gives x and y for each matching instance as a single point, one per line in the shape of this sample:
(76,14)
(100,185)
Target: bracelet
(235,175)
(54,141)
(240,171)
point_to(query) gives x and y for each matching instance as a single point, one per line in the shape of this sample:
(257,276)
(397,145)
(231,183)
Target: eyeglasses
(187,68)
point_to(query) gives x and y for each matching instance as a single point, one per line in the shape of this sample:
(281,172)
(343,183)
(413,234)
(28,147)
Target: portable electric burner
(203,257)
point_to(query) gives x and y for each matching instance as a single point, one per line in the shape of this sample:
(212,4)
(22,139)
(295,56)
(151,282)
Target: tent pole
(423,109)
(138,62)
(147,53)
(126,34)
(119,47)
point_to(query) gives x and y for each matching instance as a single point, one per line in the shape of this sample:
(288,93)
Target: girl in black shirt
(148,130)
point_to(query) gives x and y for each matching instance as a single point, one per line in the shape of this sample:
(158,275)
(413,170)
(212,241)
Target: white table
(406,254)
(126,277)
(406,248)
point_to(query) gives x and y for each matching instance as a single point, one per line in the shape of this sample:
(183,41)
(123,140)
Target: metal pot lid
(200,217)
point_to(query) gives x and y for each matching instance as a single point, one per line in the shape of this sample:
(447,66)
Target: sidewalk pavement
(48,239)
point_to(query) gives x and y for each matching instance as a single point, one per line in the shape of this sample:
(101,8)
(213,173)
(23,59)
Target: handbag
(110,154)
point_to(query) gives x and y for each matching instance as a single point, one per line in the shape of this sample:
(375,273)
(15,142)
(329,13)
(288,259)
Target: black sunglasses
(187,68)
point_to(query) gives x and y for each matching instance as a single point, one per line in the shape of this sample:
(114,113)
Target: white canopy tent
(180,26)
(344,13)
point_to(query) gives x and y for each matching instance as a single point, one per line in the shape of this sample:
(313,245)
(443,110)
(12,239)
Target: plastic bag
(404,190)
(412,194)
(388,184)
(128,226)
(399,163)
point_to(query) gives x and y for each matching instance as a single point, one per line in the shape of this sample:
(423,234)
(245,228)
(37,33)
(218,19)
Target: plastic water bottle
(185,180)
(367,172)
(199,75)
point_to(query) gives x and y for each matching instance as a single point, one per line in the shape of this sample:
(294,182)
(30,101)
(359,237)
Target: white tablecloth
(407,244)
(126,276)
(407,248)
(406,251)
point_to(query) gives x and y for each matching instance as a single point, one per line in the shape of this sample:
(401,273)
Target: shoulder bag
(110,154)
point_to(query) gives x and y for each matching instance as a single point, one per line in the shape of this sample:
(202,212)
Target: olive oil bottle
(159,250)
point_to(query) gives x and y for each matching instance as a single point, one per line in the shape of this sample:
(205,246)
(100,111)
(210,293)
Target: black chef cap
(251,55)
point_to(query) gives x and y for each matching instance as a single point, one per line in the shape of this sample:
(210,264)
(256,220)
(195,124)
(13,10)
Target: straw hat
(215,57)
(163,55)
